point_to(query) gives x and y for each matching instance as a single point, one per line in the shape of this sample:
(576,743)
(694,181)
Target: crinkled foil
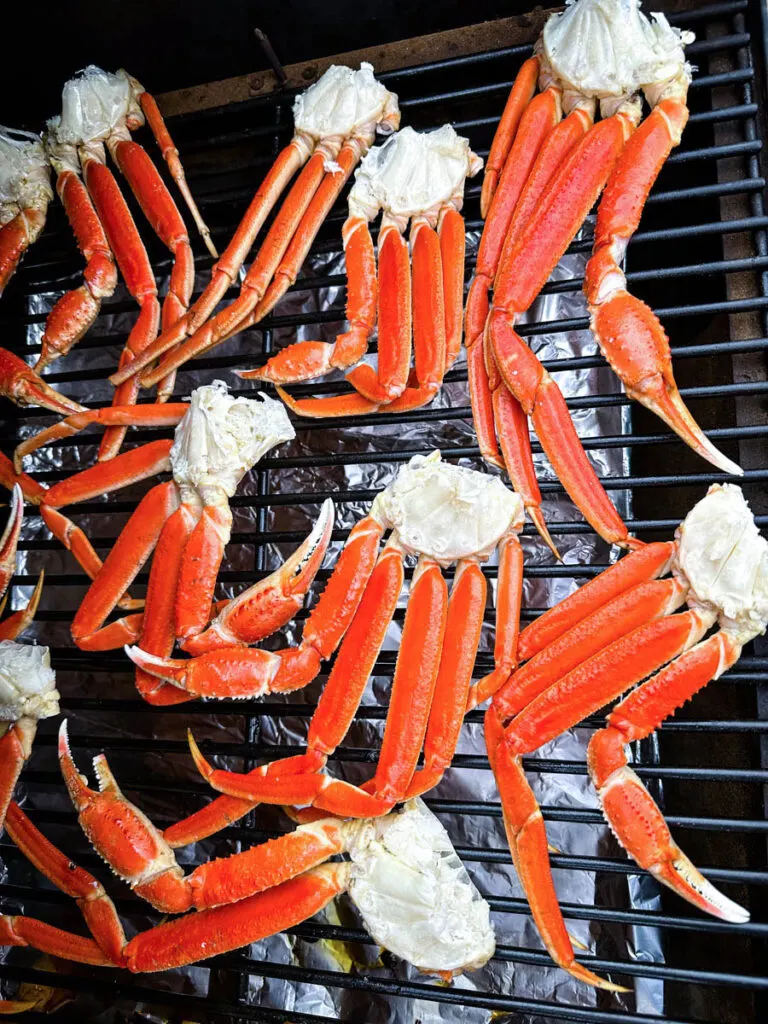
(482,832)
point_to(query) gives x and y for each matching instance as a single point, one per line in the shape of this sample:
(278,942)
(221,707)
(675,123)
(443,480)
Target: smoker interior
(700,259)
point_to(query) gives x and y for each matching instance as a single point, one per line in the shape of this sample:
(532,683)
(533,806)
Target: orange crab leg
(130,467)
(509,597)
(158,632)
(628,331)
(555,150)
(413,685)
(452,234)
(74,313)
(394,319)
(480,394)
(200,936)
(305,359)
(269,604)
(519,97)
(15,748)
(123,236)
(527,838)
(20,384)
(131,550)
(162,213)
(225,271)
(18,621)
(168,415)
(634,817)
(17,930)
(225,810)
(10,538)
(641,604)
(225,673)
(200,565)
(463,627)
(94,903)
(170,154)
(16,237)
(647,562)
(542,400)
(511,425)
(429,318)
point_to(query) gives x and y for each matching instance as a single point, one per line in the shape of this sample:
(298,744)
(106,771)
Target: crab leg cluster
(625,628)
(416,300)
(444,515)
(250,895)
(186,521)
(99,111)
(335,122)
(544,176)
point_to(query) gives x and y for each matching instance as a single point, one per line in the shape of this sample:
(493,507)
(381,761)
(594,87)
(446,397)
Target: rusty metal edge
(406,53)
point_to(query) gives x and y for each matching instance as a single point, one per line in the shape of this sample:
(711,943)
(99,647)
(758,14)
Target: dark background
(167,44)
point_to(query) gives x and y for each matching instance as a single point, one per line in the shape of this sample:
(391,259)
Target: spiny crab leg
(628,331)
(353,107)
(23,386)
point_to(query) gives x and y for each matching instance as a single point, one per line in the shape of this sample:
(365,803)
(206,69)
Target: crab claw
(226,673)
(22,385)
(270,603)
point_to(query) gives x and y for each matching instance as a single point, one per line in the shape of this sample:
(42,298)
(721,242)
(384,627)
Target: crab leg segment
(394,320)
(131,550)
(18,930)
(463,626)
(115,415)
(245,672)
(158,632)
(628,331)
(132,466)
(187,940)
(647,562)
(10,538)
(269,604)
(94,903)
(634,817)
(132,259)
(519,97)
(19,620)
(162,213)
(74,313)
(20,384)
(509,597)
(542,400)
(15,748)
(163,138)
(305,359)
(225,270)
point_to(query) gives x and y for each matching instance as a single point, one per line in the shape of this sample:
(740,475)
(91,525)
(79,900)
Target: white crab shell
(222,437)
(95,105)
(27,682)
(413,173)
(344,100)
(447,512)
(24,173)
(415,895)
(609,48)
(724,559)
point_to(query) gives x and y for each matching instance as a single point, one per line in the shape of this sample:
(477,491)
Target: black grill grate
(705,224)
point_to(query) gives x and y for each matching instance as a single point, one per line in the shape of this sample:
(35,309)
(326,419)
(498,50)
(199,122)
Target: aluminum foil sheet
(166,785)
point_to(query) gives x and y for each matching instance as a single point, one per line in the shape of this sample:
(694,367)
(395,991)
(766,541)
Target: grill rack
(52,265)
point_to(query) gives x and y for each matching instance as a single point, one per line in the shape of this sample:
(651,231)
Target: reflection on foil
(166,786)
